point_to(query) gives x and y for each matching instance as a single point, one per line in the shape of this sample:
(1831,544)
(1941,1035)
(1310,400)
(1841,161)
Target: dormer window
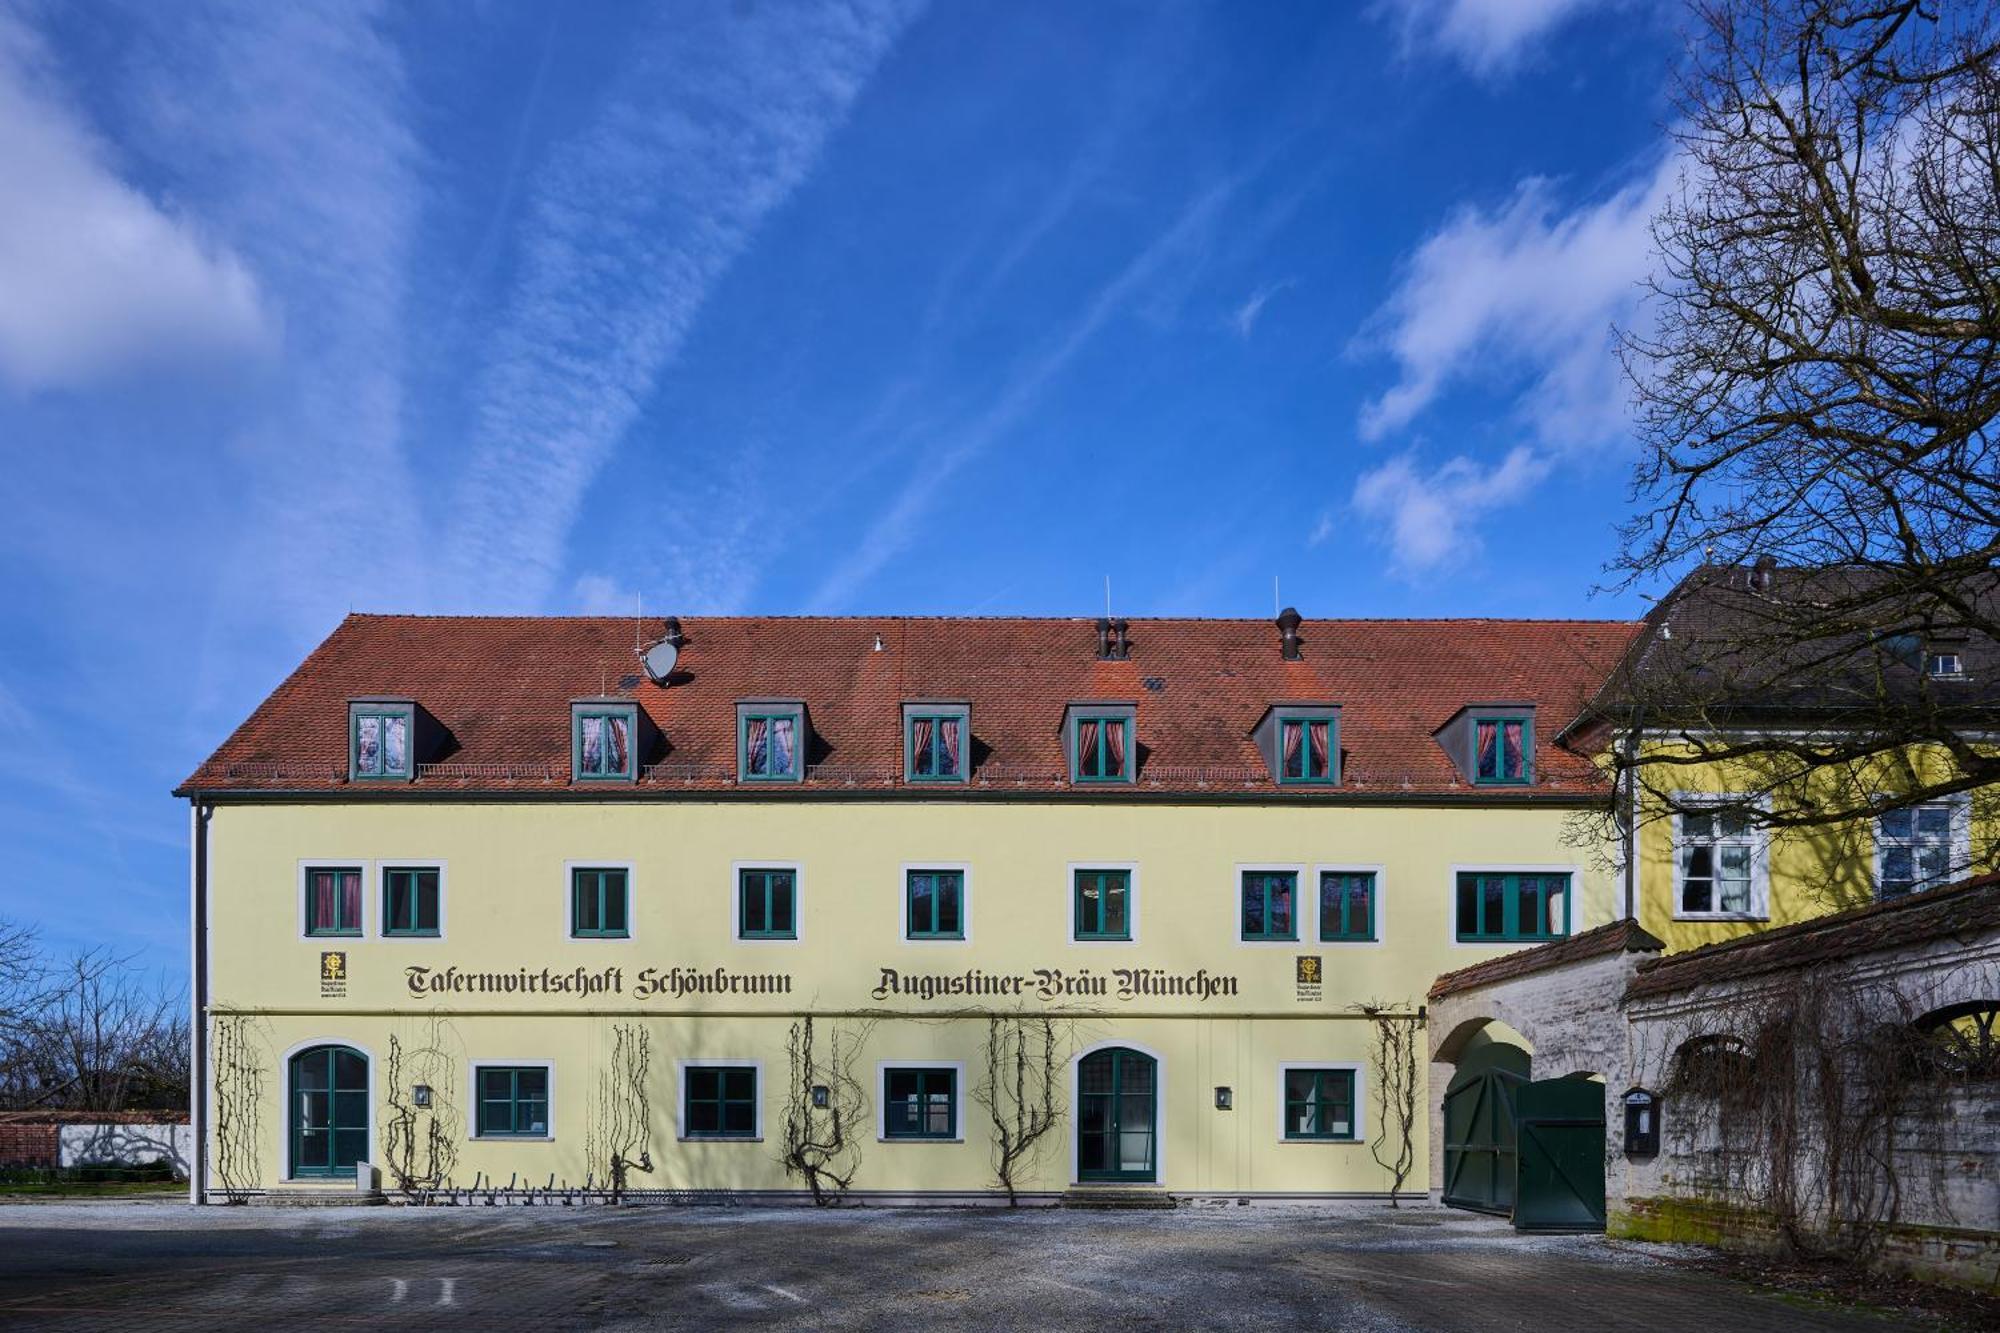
(1300,743)
(602,734)
(1100,742)
(379,736)
(1492,744)
(1943,664)
(770,739)
(935,737)
(1501,749)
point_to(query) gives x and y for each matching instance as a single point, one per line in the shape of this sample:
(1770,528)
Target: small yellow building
(886,906)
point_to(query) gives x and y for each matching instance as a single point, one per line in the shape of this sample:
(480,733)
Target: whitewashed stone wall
(126,1145)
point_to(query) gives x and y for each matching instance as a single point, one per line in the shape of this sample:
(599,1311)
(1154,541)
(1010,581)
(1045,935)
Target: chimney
(1288,633)
(1103,638)
(1120,648)
(1764,573)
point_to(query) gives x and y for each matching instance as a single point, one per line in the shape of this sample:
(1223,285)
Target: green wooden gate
(1560,1183)
(1479,1140)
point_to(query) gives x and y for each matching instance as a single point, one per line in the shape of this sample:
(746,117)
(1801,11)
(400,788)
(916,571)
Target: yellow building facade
(463,953)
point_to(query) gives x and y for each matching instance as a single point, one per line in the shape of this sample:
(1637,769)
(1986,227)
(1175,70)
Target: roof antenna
(638,616)
(1277,602)
(1107,597)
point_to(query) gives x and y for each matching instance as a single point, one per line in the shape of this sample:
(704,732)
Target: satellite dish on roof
(660,658)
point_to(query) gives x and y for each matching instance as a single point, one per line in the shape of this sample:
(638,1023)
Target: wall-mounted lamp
(820,1095)
(1224,1098)
(420,1095)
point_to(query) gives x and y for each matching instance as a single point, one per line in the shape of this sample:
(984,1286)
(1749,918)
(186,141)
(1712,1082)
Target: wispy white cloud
(1322,530)
(97,279)
(956,447)
(1529,291)
(1244,318)
(1430,516)
(1488,37)
(710,128)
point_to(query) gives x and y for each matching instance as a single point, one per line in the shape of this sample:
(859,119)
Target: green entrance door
(1560,1185)
(329,1111)
(1117,1095)
(1479,1138)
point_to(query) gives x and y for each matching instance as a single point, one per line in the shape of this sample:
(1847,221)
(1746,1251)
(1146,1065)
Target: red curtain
(1293,744)
(1114,738)
(1086,747)
(948,734)
(1319,756)
(920,746)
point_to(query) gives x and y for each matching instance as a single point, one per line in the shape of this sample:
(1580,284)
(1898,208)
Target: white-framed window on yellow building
(1720,862)
(720,1099)
(1920,846)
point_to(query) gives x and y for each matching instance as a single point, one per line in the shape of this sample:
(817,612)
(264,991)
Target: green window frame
(1512,907)
(1346,906)
(1307,747)
(919,1103)
(603,742)
(937,746)
(411,901)
(513,1102)
(719,1102)
(1320,1106)
(767,903)
(1098,757)
(1103,904)
(934,904)
(760,754)
(600,903)
(332,902)
(1496,764)
(380,741)
(1269,905)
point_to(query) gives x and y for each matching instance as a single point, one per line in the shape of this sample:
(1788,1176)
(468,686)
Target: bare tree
(1018,1087)
(95,1036)
(420,1143)
(826,1107)
(237,1112)
(621,1128)
(1816,384)
(1393,1076)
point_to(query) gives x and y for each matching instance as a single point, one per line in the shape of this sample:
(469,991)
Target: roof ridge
(904,617)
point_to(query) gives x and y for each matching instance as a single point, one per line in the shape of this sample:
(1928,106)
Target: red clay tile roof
(1618,937)
(1961,910)
(501,688)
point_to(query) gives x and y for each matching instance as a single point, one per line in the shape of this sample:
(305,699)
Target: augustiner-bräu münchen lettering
(1051,983)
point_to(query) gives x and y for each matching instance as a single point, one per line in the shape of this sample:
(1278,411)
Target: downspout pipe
(1629,781)
(199,812)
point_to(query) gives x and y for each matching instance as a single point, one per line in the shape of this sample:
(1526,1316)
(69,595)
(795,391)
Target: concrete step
(348,1198)
(1090,1196)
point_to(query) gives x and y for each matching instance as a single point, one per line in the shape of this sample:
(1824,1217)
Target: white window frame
(681,1068)
(1380,906)
(1360,1102)
(382,869)
(1760,858)
(1131,869)
(798,872)
(631,901)
(1305,913)
(1960,805)
(964,937)
(472,1100)
(958,1098)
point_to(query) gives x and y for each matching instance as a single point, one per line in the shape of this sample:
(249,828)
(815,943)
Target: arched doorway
(1479,1128)
(1117,1106)
(327,1120)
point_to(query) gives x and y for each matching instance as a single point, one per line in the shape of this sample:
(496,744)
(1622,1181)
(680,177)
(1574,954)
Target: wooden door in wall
(1479,1128)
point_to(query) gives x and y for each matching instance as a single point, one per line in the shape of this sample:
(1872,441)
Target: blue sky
(761,307)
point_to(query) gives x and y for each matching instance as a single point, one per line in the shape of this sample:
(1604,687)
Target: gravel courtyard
(164,1266)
